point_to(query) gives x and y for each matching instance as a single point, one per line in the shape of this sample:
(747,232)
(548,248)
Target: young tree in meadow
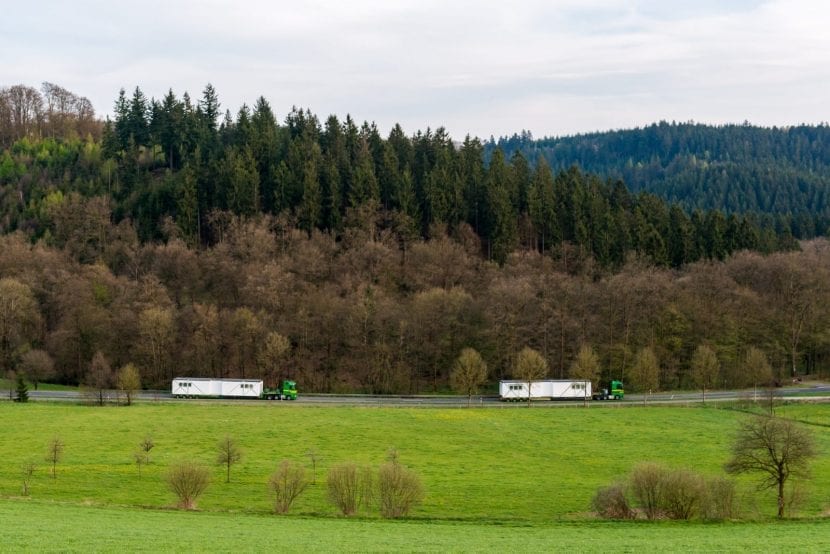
(27,470)
(705,368)
(645,373)
(469,373)
(54,454)
(142,453)
(128,382)
(776,448)
(37,365)
(530,366)
(228,453)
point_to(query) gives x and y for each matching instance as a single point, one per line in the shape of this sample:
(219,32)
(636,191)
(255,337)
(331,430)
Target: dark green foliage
(732,168)
(22,390)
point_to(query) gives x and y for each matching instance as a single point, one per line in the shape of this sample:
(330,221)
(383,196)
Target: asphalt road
(811,392)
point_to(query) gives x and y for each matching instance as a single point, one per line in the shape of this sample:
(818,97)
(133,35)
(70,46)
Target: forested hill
(733,168)
(175,167)
(191,243)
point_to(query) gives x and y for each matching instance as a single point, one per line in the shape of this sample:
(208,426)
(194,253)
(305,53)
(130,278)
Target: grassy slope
(502,465)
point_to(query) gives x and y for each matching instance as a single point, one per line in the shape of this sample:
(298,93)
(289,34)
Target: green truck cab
(614,391)
(288,391)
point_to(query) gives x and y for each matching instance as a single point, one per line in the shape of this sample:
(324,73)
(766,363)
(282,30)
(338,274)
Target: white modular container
(547,389)
(201,387)
(240,388)
(194,386)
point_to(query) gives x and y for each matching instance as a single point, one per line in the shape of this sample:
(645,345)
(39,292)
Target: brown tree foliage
(360,314)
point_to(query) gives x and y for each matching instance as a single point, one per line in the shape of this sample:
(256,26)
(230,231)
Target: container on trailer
(194,386)
(240,388)
(545,389)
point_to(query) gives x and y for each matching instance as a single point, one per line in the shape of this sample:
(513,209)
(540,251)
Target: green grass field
(33,526)
(516,473)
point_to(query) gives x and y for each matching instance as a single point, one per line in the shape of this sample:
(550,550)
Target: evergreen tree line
(733,168)
(180,162)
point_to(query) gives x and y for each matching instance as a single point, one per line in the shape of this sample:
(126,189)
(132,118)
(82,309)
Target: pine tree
(22,390)
(500,220)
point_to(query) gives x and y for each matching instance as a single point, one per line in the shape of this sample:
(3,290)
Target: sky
(482,68)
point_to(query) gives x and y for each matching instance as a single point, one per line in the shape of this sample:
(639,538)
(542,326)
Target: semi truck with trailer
(557,389)
(201,387)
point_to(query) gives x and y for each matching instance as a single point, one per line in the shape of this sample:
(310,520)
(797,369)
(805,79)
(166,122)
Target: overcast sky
(553,67)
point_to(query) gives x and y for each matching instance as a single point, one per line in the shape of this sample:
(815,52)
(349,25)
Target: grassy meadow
(33,526)
(490,474)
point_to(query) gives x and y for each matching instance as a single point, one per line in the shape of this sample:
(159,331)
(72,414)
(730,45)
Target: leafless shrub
(187,480)
(286,484)
(399,489)
(611,503)
(349,487)
(681,493)
(647,487)
(720,500)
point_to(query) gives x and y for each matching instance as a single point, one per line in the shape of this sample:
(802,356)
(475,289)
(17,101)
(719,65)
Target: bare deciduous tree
(142,454)
(228,453)
(286,484)
(272,354)
(469,373)
(777,449)
(99,378)
(37,365)
(187,480)
(19,319)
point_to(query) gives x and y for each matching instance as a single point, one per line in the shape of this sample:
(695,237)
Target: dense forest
(191,244)
(732,168)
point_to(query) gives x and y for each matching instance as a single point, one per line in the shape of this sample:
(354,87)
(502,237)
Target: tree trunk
(780,498)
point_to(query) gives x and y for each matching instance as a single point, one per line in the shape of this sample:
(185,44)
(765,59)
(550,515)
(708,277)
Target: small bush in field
(187,480)
(611,503)
(399,489)
(349,487)
(286,484)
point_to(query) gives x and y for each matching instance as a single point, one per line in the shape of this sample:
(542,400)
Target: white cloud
(480,67)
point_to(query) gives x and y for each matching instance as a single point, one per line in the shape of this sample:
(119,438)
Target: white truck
(200,387)
(515,390)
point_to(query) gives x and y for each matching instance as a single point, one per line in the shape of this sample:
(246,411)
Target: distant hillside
(734,168)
